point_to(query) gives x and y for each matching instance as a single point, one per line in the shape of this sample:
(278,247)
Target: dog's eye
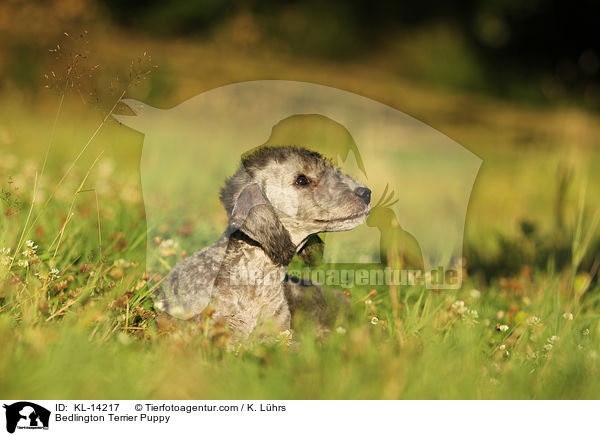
(302,180)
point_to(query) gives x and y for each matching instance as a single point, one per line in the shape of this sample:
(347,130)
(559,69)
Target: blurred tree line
(537,49)
(555,41)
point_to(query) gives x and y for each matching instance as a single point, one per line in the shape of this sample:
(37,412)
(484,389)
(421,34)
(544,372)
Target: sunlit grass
(77,321)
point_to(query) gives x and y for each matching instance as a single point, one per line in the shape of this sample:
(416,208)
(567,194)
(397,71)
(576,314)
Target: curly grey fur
(271,218)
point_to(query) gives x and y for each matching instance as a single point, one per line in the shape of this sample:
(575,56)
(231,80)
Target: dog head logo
(26,415)
(421,179)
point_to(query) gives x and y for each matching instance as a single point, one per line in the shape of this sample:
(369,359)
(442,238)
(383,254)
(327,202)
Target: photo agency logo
(25,415)
(400,186)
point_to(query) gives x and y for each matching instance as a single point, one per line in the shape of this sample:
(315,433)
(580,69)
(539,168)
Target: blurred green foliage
(535,51)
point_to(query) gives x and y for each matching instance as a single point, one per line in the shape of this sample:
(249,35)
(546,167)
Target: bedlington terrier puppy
(277,199)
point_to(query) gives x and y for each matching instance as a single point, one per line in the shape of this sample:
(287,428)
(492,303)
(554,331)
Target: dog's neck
(297,230)
(246,263)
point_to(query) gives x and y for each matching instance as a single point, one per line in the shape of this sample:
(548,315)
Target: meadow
(76,316)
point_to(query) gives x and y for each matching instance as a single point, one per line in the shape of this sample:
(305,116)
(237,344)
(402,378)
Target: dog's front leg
(257,316)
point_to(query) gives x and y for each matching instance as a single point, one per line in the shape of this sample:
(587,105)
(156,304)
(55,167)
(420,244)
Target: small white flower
(474,314)
(503,347)
(54,273)
(503,328)
(551,341)
(5,251)
(368,302)
(459,306)
(23,263)
(122,263)
(29,249)
(340,330)
(586,332)
(374,320)
(168,248)
(534,321)
(568,316)
(475,293)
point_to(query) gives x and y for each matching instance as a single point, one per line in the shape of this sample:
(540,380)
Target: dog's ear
(254,216)
(312,250)
(233,187)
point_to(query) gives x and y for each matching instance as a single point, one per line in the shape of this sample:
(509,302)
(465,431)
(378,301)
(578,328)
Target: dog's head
(281,195)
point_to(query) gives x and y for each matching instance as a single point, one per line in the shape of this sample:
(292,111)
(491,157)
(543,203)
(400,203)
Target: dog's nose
(364,194)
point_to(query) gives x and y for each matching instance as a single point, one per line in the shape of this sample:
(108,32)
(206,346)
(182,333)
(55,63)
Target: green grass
(91,332)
